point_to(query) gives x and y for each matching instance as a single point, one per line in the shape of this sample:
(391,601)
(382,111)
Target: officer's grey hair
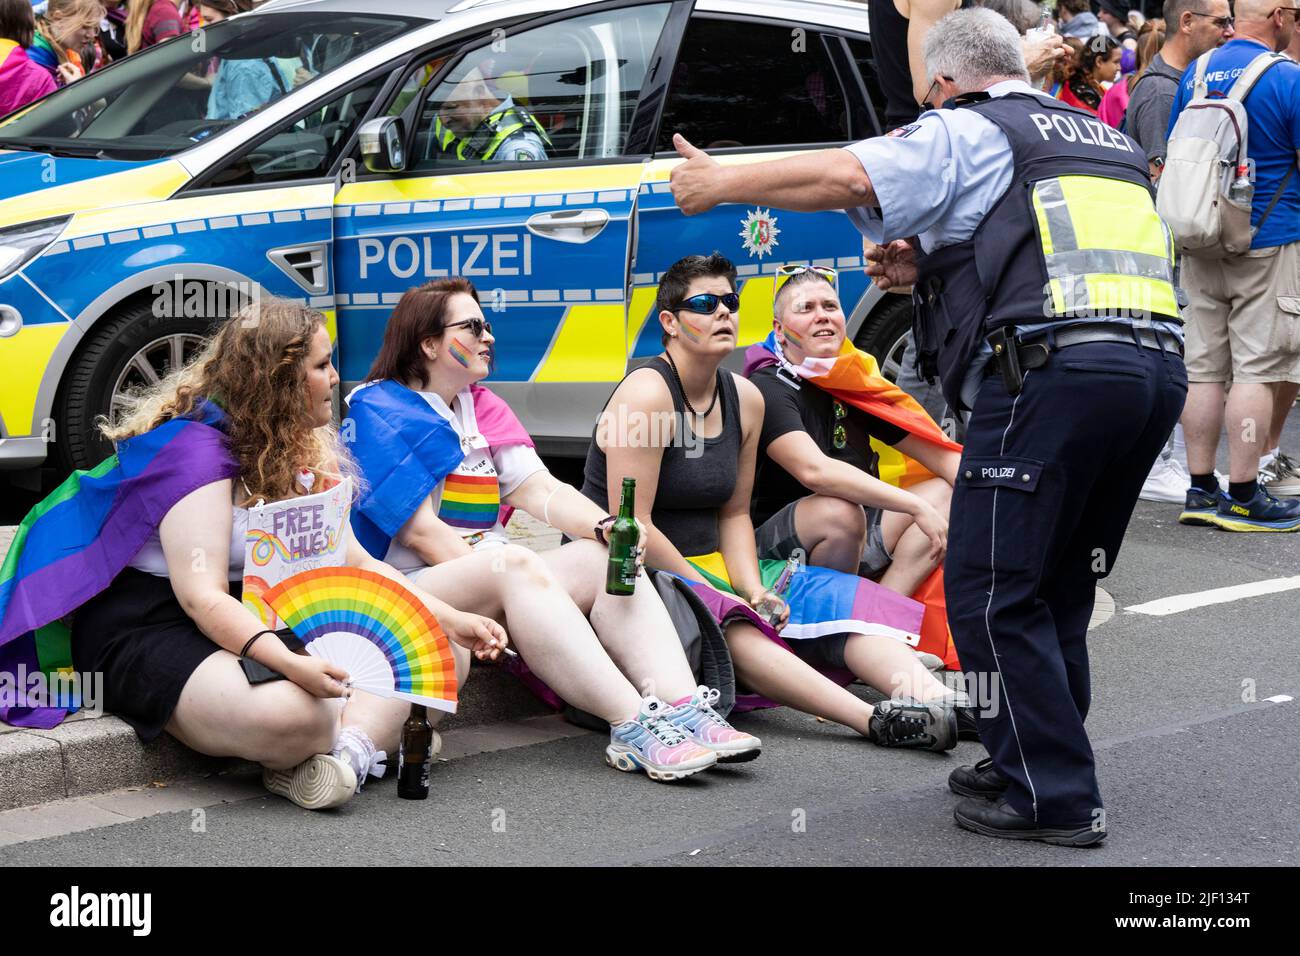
(975,47)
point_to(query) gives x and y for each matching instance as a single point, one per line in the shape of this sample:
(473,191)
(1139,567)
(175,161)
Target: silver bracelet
(546,506)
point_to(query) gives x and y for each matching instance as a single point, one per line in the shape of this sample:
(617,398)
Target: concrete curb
(92,755)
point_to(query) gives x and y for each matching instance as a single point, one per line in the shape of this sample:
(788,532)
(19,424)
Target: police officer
(1045,303)
(475,124)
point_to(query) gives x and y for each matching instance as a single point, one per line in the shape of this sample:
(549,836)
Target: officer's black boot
(981,780)
(999,820)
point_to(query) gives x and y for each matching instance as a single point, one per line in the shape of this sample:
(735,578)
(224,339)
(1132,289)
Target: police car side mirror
(381,145)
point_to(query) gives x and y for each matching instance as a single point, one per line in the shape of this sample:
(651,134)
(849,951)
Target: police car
(367,155)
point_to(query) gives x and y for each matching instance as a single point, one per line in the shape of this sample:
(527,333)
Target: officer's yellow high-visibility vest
(487,139)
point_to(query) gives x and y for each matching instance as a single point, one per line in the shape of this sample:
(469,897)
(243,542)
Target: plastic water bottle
(1242,189)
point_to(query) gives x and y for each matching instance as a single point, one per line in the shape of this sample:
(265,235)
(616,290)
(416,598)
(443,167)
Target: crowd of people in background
(51,43)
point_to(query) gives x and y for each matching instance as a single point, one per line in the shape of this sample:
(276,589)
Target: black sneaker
(981,780)
(908,723)
(999,820)
(1200,507)
(968,727)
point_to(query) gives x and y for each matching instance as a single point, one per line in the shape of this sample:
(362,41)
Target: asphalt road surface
(1197,766)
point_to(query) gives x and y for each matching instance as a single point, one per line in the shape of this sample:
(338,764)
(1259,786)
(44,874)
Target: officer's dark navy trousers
(1047,483)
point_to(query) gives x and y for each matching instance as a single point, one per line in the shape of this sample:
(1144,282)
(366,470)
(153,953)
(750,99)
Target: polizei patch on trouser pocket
(1020,474)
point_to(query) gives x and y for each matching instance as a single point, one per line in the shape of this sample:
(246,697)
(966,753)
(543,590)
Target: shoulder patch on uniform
(904,131)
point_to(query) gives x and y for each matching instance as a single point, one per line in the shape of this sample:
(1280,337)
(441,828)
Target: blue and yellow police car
(525,144)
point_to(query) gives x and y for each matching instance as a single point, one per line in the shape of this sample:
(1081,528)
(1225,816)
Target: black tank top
(893,70)
(696,478)
(889,49)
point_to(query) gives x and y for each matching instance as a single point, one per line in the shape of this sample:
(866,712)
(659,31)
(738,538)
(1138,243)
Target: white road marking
(1186,602)
(1278,699)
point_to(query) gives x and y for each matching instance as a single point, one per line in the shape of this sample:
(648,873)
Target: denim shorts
(777,539)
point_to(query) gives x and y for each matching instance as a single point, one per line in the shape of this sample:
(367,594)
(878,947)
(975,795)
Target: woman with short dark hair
(694,481)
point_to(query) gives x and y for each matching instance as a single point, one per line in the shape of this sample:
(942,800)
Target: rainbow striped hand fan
(372,627)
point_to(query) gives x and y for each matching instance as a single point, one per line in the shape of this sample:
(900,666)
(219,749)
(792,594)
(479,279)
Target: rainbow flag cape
(823,601)
(854,378)
(75,542)
(404,449)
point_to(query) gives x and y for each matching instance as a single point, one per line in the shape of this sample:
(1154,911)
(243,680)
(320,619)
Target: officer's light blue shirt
(936,179)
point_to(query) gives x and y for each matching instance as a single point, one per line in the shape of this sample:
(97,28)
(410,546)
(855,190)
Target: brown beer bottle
(415,755)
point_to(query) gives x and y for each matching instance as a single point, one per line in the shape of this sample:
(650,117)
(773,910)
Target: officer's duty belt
(1013,355)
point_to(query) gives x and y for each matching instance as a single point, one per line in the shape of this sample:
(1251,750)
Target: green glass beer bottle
(623,535)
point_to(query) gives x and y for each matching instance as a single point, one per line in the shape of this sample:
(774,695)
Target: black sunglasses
(1222,23)
(476,327)
(706,303)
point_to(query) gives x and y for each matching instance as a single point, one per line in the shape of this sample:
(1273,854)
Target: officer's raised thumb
(684,148)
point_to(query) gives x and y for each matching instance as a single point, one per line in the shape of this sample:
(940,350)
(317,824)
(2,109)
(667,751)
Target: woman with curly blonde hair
(249,420)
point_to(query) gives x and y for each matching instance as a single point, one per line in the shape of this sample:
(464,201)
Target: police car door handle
(569,225)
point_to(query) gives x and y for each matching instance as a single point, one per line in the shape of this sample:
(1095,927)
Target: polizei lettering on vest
(1076,129)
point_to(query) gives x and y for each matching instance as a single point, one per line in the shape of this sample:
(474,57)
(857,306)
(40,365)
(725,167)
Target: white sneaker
(1284,476)
(318,783)
(1167,482)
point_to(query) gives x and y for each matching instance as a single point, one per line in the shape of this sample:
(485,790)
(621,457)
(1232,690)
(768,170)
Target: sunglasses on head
(476,326)
(788,272)
(706,303)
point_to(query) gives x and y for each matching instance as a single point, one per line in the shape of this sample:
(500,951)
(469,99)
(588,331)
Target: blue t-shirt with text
(1273,109)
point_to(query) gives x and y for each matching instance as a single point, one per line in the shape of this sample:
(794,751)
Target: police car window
(563,91)
(740,83)
(305,147)
(861,50)
(169,97)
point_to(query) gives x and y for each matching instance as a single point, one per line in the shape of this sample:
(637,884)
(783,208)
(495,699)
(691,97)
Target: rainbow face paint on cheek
(459,353)
(692,332)
(793,339)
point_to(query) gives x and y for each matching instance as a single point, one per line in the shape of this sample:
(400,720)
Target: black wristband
(252,640)
(600,529)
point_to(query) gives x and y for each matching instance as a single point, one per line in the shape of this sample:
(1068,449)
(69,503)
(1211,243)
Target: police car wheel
(886,334)
(123,353)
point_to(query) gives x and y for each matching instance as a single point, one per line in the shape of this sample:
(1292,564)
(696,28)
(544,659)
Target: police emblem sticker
(759,231)
(904,131)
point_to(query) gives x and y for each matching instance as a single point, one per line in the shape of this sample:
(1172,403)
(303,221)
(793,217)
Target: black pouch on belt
(1007,355)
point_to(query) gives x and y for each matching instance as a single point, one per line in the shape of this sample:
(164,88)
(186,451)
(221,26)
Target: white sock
(356,748)
(1180,445)
(1268,458)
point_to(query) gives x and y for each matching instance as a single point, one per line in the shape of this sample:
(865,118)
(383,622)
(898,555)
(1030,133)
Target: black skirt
(136,634)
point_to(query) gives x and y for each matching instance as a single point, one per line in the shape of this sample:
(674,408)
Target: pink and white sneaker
(652,743)
(708,728)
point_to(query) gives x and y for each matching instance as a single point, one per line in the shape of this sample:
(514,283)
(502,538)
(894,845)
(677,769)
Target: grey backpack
(1205,191)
